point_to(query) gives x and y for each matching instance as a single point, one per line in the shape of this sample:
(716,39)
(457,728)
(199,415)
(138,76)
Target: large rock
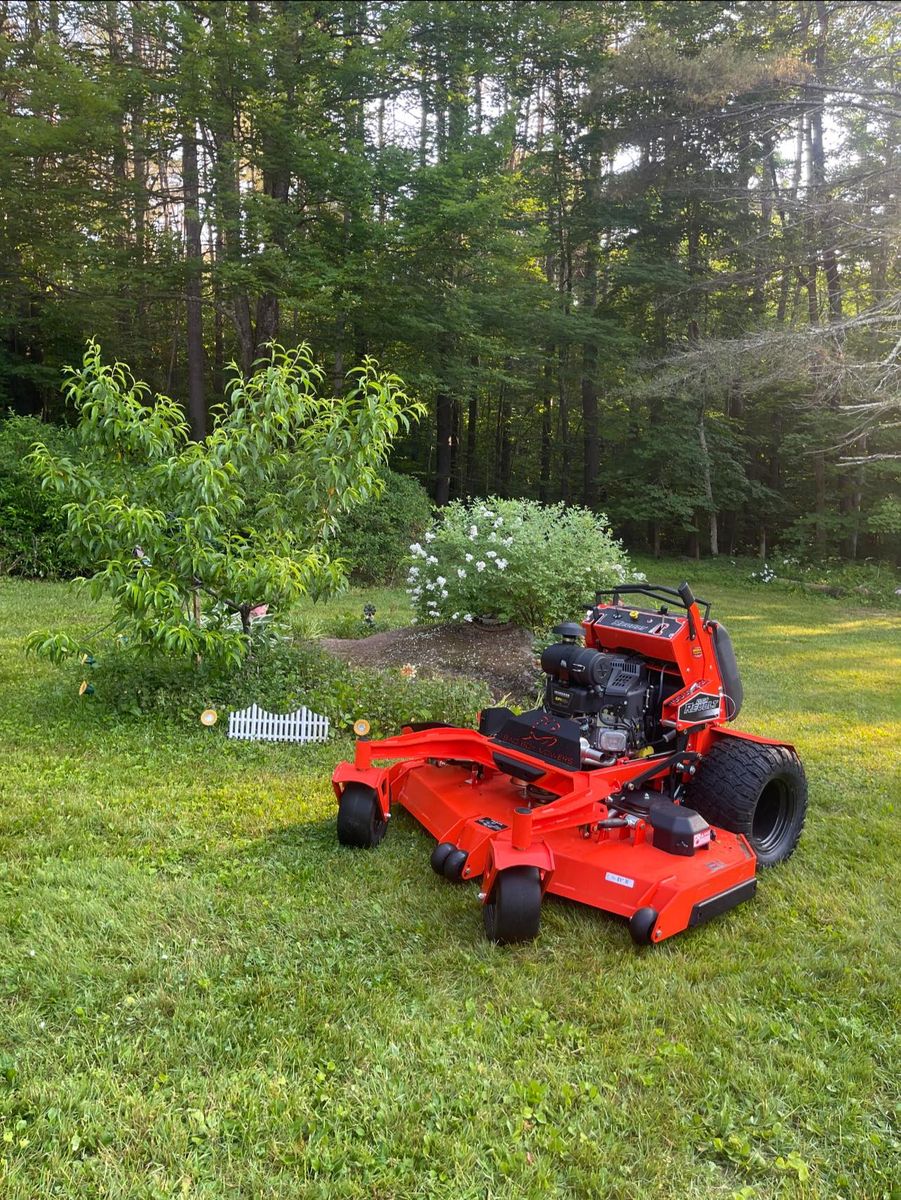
(501,656)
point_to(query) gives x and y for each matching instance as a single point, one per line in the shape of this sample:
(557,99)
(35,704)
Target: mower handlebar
(684,596)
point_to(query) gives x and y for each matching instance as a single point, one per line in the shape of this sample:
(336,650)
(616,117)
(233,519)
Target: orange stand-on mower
(626,790)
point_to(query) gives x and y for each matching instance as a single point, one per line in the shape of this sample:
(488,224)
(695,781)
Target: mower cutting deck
(625,790)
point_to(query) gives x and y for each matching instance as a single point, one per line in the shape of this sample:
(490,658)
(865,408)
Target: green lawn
(202,995)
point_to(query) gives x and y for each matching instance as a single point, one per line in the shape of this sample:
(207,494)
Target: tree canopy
(639,256)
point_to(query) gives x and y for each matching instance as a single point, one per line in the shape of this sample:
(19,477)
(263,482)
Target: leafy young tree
(189,537)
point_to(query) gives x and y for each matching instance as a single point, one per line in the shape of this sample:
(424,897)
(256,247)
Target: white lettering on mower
(702,838)
(622,880)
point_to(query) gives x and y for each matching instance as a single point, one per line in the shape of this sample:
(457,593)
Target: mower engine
(610,697)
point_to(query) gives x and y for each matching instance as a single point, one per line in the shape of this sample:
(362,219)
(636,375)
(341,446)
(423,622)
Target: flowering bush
(765,575)
(512,560)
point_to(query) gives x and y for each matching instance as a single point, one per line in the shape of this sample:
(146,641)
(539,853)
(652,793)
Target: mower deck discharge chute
(626,790)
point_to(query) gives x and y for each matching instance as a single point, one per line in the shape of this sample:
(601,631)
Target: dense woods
(642,256)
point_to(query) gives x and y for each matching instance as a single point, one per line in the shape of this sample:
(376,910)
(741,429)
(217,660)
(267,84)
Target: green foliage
(352,625)
(185,535)
(33,538)
(870,584)
(885,516)
(389,701)
(512,560)
(536,260)
(280,675)
(374,538)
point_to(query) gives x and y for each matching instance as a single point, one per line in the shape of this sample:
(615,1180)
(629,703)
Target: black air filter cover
(575,664)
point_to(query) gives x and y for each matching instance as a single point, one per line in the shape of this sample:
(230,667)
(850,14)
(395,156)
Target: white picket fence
(257,725)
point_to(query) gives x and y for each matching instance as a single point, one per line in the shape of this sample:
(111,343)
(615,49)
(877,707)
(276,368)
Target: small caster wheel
(439,854)
(452,869)
(512,913)
(360,820)
(641,926)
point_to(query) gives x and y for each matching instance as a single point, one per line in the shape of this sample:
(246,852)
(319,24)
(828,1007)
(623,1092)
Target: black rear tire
(512,913)
(756,790)
(360,820)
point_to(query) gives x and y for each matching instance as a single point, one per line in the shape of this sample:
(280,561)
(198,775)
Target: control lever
(687,597)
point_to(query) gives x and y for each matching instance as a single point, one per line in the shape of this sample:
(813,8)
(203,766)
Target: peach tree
(190,537)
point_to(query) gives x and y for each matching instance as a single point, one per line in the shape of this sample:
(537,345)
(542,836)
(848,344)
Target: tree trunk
(224,123)
(472,428)
(856,496)
(547,419)
(443,435)
(708,487)
(139,160)
(472,421)
(444,432)
(810,274)
(819,476)
(504,453)
(423,113)
(818,172)
(119,160)
(380,135)
(591,458)
(215,253)
(563,428)
(193,265)
(455,466)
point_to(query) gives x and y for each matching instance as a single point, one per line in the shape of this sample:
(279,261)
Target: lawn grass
(339,615)
(202,995)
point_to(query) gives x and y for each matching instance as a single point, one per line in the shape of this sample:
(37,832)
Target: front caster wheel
(512,913)
(360,820)
(452,868)
(439,856)
(641,926)
(449,861)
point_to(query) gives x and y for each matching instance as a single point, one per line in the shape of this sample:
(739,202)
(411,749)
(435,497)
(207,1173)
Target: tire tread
(732,776)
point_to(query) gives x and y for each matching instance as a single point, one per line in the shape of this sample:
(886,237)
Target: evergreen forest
(640,256)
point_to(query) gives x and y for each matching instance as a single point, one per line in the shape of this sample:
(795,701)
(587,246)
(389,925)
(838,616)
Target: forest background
(639,256)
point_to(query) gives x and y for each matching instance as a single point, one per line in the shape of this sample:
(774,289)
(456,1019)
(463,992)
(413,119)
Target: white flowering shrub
(513,560)
(765,575)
